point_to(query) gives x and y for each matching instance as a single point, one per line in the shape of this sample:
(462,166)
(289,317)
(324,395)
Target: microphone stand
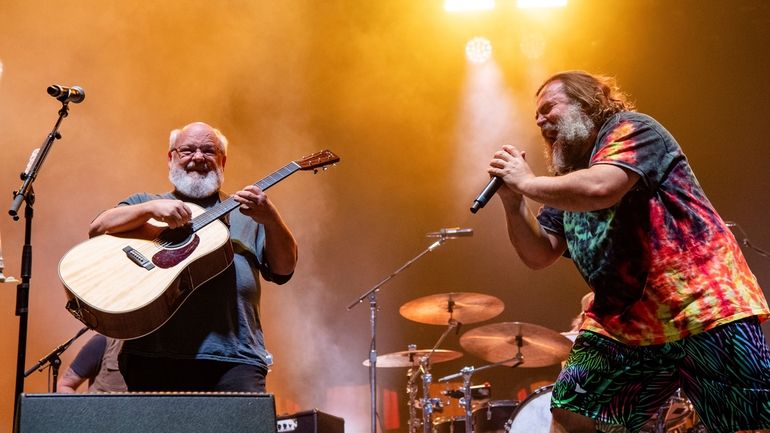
(372,295)
(26,194)
(54,360)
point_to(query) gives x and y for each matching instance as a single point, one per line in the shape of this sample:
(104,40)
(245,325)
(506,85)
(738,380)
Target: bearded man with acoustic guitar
(214,341)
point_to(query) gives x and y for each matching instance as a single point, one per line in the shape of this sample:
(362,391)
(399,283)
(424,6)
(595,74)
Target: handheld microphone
(454,232)
(489,191)
(74,94)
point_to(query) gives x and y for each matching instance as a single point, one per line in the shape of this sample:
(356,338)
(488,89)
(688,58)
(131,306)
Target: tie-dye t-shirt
(661,262)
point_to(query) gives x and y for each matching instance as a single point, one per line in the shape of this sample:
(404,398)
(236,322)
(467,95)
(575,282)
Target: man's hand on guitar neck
(280,245)
(254,203)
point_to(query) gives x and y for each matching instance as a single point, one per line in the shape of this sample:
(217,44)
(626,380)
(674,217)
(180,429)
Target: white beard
(194,184)
(573,132)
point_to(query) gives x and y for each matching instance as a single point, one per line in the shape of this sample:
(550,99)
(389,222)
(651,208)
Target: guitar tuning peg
(315,171)
(326,168)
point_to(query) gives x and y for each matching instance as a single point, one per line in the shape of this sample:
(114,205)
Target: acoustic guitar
(126,285)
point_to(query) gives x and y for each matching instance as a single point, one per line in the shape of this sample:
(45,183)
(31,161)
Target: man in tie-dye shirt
(676,306)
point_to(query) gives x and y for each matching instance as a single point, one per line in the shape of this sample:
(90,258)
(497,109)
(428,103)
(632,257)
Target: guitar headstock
(317,160)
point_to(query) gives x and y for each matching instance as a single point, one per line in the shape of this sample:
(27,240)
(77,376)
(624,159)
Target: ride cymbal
(498,342)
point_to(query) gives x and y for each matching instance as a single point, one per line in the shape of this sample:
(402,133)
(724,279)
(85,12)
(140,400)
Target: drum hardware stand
(53,359)
(467,372)
(518,358)
(444,235)
(427,402)
(26,194)
(411,389)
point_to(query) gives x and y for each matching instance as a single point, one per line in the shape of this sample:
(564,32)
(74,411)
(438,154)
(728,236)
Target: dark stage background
(386,86)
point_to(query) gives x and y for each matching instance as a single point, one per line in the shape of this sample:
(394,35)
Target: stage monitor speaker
(310,421)
(146,412)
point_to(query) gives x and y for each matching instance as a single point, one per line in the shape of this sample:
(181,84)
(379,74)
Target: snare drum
(533,415)
(449,425)
(491,416)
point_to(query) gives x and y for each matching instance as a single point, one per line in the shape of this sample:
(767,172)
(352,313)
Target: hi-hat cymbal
(411,358)
(464,307)
(539,346)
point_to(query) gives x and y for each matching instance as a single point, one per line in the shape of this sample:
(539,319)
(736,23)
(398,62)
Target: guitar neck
(228,205)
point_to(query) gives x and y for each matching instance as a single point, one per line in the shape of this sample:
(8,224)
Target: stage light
(468,5)
(531,4)
(478,50)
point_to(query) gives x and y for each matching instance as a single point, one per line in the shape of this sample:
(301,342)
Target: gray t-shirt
(219,321)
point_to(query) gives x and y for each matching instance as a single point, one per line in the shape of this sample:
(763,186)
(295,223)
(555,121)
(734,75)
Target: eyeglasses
(209,152)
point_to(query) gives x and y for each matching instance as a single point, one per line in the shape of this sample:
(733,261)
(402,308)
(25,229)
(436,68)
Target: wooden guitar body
(119,296)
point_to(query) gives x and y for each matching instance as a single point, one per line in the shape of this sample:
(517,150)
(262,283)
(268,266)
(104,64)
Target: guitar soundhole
(175,238)
(178,245)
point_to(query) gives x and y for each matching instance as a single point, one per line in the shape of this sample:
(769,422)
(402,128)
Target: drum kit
(464,407)
(467,408)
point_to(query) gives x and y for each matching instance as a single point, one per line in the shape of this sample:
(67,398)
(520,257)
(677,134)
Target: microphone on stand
(451,233)
(447,233)
(74,94)
(489,191)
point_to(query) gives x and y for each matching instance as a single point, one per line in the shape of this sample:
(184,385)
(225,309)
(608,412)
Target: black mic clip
(74,94)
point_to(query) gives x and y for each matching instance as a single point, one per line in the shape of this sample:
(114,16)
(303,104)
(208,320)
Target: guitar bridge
(138,258)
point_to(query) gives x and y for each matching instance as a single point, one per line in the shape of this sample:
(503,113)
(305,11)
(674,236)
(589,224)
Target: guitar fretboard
(224,207)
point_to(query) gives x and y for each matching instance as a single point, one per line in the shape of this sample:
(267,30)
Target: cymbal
(464,307)
(411,358)
(497,342)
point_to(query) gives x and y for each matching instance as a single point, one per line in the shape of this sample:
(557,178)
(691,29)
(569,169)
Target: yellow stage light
(468,5)
(478,50)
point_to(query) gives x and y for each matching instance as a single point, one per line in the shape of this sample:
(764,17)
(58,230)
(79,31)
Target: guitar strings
(157,244)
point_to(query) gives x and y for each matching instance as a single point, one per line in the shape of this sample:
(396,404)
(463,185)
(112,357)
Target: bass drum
(491,416)
(675,416)
(533,414)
